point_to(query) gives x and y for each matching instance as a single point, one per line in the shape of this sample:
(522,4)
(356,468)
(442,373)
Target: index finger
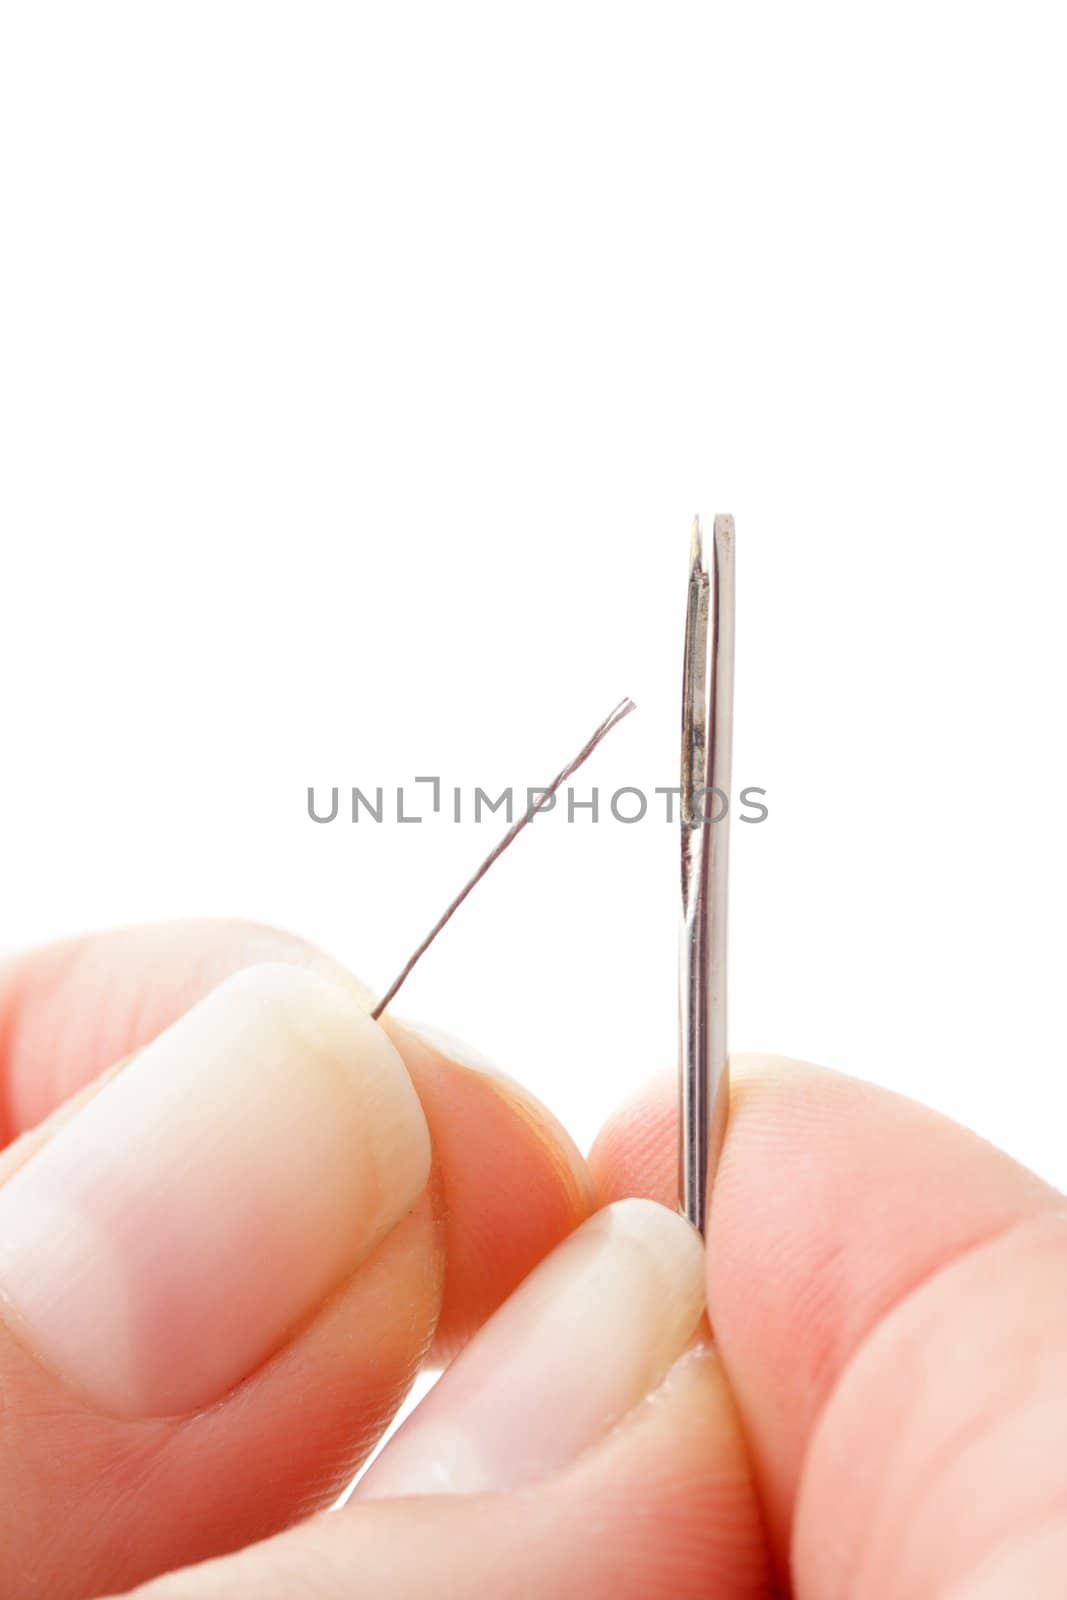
(841,1215)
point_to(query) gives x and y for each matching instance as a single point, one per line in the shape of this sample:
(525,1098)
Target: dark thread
(623,709)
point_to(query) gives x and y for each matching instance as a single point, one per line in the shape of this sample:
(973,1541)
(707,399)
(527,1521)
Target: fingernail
(171,1235)
(587,1335)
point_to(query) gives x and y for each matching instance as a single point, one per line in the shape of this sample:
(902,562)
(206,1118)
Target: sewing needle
(707,730)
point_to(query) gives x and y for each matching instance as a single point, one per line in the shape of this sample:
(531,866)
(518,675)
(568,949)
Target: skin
(881,1413)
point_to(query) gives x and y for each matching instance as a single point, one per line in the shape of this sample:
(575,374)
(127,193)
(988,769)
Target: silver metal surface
(707,737)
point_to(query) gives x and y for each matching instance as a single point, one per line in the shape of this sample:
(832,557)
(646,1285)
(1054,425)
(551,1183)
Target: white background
(362,367)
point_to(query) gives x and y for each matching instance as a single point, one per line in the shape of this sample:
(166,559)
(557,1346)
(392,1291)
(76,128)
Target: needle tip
(696,546)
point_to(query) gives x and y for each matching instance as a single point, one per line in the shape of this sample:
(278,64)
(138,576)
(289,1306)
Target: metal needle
(707,736)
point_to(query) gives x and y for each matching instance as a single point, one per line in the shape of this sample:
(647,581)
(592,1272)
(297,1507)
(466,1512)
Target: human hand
(242,1266)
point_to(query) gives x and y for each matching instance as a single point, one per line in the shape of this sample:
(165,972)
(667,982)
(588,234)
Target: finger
(943,1439)
(68,1011)
(577,1453)
(217,1279)
(541,1381)
(661,1507)
(636,1152)
(509,1183)
(858,1246)
(222,1248)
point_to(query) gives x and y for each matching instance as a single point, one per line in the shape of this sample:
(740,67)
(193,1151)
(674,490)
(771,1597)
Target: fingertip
(663,1505)
(833,1201)
(271,1137)
(589,1333)
(636,1151)
(329,1021)
(510,1182)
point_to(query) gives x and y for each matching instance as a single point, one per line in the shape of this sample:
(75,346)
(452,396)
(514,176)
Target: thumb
(191,1259)
(274,1121)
